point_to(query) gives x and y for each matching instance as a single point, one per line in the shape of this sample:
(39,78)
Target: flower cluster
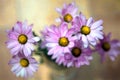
(20,42)
(71,43)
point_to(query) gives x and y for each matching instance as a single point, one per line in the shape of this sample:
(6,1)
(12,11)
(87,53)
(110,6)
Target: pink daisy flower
(58,40)
(88,30)
(78,56)
(21,39)
(68,13)
(23,66)
(108,47)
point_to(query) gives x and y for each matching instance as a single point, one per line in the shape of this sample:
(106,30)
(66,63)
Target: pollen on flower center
(85,30)
(106,46)
(68,18)
(63,41)
(24,62)
(22,39)
(76,52)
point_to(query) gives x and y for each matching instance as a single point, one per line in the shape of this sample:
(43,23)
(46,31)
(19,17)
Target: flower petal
(26,51)
(12,44)
(15,50)
(51,51)
(91,40)
(90,20)
(96,24)
(34,39)
(51,44)
(17,27)
(85,41)
(59,10)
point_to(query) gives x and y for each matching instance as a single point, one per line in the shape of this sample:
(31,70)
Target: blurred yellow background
(42,13)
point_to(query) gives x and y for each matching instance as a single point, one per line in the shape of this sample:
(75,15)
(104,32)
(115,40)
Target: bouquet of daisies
(71,43)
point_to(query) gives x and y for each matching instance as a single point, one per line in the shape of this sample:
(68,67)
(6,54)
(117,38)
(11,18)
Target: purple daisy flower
(23,66)
(67,13)
(77,56)
(108,47)
(88,30)
(21,39)
(58,40)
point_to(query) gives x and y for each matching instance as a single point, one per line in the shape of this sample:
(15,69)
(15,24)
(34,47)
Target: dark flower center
(68,18)
(63,41)
(85,30)
(76,52)
(24,62)
(106,46)
(22,38)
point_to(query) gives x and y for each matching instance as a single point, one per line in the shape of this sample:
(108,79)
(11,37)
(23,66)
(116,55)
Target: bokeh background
(42,13)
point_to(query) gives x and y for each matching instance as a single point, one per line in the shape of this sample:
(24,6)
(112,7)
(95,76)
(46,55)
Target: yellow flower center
(106,46)
(22,39)
(24,62)
(68,18)
(85,30)
(76,52)
(63,41)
